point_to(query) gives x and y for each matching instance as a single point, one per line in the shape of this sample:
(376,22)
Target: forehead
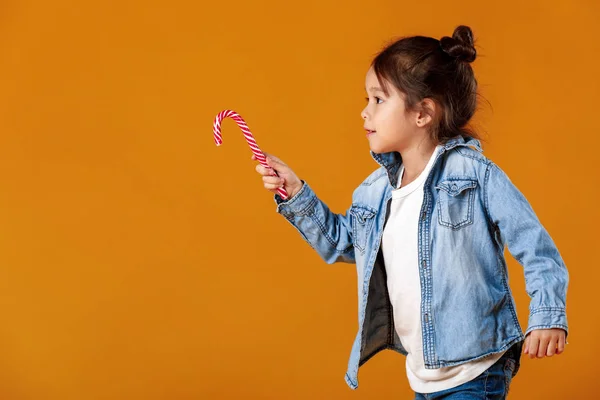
(371,78)
(372,83)
(374,87)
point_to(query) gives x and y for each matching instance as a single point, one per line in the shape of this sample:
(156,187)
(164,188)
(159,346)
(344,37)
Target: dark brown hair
(424,67)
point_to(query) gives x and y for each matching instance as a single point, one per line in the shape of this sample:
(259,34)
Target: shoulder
(470,155)
(375,176)
(465,162)
(374,183)
(475,159)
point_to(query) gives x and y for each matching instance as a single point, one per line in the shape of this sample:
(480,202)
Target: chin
(375,148)
(380,144)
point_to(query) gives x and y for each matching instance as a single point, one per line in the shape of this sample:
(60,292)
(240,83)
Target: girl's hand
(544,342)
(287,178)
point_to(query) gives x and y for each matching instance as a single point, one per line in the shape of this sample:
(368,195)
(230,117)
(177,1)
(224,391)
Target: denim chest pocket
(363,218)
(456,198)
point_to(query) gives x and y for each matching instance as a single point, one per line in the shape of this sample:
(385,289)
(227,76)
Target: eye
(377,99)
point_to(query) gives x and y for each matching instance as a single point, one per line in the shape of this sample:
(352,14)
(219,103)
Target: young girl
(427,232)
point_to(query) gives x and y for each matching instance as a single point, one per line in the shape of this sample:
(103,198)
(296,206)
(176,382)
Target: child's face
(390,127)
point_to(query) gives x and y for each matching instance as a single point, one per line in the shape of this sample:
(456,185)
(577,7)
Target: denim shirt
(470,211)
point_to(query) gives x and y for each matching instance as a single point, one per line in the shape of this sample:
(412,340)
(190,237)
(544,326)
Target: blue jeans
(492,384)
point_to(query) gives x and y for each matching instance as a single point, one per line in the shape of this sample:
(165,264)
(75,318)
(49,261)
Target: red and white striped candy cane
(249,138)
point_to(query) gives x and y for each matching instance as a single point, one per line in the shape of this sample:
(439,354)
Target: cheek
(390,119)
(397,122)
(386,116)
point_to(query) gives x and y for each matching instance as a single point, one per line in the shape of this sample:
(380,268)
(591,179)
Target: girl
(427,232)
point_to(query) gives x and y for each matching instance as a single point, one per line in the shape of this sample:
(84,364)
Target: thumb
(274,161)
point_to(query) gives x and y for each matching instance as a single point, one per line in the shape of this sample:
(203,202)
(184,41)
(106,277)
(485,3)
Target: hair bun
(460,45)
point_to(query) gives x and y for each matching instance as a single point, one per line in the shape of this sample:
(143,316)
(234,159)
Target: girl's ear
(426,112)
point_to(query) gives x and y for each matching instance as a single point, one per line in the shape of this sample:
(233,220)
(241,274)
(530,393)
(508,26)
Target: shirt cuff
(548,318)
(298,204)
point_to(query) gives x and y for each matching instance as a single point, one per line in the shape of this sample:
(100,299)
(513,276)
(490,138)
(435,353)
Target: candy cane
(260,157)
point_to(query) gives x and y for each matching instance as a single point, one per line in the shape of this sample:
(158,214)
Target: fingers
(561,344)
(274,163)
(551,350)
(544,343)
(265,171)
(543,346)
(273,182)
(277,175)
(533,346)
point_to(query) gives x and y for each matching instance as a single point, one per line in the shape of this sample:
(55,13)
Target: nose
(363,113)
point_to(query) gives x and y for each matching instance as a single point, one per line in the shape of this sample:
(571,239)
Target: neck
(415,158)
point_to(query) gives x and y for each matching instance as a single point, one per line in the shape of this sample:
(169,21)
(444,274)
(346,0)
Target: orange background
(139,261)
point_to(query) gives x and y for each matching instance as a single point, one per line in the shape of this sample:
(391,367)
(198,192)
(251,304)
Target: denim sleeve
(328,233)
(546,276)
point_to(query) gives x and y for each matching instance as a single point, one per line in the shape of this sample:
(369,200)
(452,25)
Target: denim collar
(391,161)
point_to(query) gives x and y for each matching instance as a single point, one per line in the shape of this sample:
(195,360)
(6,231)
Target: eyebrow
(376,89)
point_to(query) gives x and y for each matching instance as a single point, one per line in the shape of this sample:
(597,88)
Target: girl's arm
(330,234)
(546,276)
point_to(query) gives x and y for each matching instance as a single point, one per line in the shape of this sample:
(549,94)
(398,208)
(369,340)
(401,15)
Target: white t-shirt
(400,252)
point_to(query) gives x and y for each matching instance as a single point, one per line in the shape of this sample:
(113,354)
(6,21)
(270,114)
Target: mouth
(369,132)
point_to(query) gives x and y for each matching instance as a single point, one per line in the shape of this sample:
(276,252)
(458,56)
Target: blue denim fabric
(471,211)
(492,384)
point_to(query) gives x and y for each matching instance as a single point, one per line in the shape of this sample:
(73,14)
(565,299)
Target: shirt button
(426,317)
(454,187)
(423,215)
(424,264)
